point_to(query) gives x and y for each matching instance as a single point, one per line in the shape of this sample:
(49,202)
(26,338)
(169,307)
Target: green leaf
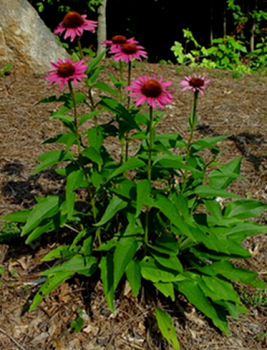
(166,289)
(170,140)
(217,289)
(152,271)
(89,116)
(51,158)
(195,295)
(240,231)
(74,180)
(171,212)
(66,120)
(214,208)
(68,139)
(173,162)
(166,244)
(115,205)
(167,328)
(143,190)
(47,208)
(93,155)
(116,107)
(233,273)
(47,225)
(94,62)
(104,87)
(244,209)
(133,274)
(107,268)
(94,74)
(132,163)
(51,283)
(208,191)
(59,252)
(126,188)
(84,265)
(169,261)
(124,253)
(95,138)
(20,216)
(208,142)
(181,204)
(223,177)
(218,243)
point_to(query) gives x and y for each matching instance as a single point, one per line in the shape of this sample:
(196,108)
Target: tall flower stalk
(152,91)
(74,24)
(149,167)
(75,117)
(197,84)
(68,72)
(126,51)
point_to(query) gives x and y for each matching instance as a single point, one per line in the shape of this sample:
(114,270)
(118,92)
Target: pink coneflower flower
(118,40)
(150,90)
(127,52)
(195,83)
(65,71)
(74,24)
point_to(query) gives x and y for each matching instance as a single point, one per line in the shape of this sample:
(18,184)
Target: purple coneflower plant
(74,24)
(66,71)
(115,45)
(127,52)
(150,90)
(118,40)
(195,83)
(154,92)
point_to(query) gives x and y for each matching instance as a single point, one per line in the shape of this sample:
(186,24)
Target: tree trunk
(225,20)
(102,25)
(252,37)
(211,21)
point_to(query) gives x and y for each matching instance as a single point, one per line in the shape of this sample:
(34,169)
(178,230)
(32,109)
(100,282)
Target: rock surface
(25,41)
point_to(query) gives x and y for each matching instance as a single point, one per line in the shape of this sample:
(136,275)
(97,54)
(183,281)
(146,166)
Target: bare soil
(234,105)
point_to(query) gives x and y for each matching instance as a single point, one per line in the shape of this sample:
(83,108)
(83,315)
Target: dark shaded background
(158,24)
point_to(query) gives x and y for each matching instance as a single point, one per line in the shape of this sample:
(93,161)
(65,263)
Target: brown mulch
(233,105)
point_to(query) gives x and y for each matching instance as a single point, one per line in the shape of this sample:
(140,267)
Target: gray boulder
(25,41)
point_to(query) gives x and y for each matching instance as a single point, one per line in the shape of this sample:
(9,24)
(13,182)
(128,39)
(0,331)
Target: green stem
(129,82)
(149,169)
(121,77)
(75,118)
(92,105)
(127,139)
(80,48)
(193,122)
(92,199)
(150,143)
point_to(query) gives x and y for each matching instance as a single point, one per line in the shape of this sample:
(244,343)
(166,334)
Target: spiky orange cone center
(196,82)
(65,70)
(72,20)
(129,49)
(119,39)
(151,88)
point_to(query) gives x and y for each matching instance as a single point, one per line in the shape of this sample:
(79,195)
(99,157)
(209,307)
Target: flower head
(74,24)
(127,52)
(118,40)
(150,90)
(195,83)
(65,71)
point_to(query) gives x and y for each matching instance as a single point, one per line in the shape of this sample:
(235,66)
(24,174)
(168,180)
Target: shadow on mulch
(23,192)
(242,141)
